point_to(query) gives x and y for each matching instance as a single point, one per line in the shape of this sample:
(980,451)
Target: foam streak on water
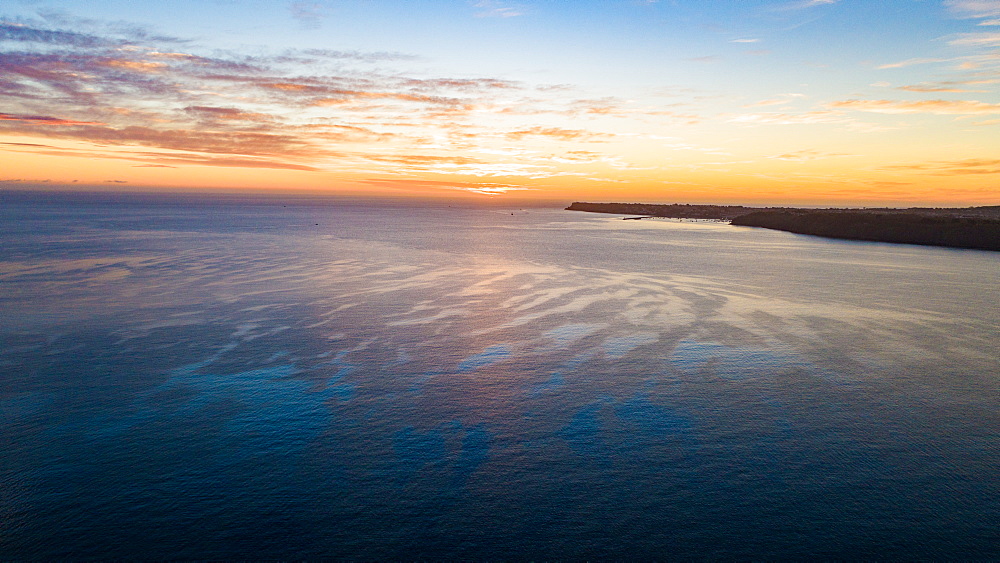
(226,380)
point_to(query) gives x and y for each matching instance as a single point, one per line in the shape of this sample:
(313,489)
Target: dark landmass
(966,227)
(674,210)
(909,228)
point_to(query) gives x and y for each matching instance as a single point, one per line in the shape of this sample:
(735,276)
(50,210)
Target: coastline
(974,228)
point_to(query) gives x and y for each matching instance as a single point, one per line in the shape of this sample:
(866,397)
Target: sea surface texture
(223,378)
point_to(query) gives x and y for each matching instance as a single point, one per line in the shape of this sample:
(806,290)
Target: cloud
(911,62)
(362,56)
(354,96)
(114,32)
(982,39)
(974,9)
(806,4)
(137,66)
(497,170)
(557,133)
(226,114)
(938,107)
(496,9)
(948,86)
(157,159)
(33,145)
(421,160)
(489,189)
(804,155)
(971,166)
(578,156)
(807,118)
(975,81)
(887,184)
(484,188)
(771,102)
(930,88)
(242,163)
(309,14)
(45,120)
(744,40)
(229,142)
(461,84)
(10,31)
(613,107)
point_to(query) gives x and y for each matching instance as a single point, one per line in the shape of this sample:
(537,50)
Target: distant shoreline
(976,228)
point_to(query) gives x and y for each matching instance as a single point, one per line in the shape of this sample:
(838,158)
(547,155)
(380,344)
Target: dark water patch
(491,355)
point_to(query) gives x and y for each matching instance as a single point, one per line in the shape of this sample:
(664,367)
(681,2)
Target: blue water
(193,377)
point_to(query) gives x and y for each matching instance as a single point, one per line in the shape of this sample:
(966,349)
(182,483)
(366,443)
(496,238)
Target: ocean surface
(212,377)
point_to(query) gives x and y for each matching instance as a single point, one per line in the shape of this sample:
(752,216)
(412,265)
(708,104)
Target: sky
(760,102)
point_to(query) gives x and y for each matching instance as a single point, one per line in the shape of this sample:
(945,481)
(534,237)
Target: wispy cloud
(557,133)
(10,31)
(806,4)
(310,15)
(158,159)
(932,88)
(974,9)
(616,107)
(109,31)
(497,9)
(804,155)
(911,62)
(770,102)
(946,86)
(983,39)
(361,56)
(211,113)
(245,143)
(45,120)
(939,107)
(971,166)
(422,159)
(485,188)
(807,118)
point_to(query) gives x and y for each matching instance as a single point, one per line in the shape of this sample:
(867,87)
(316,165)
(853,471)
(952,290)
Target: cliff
(934,229)
(674,210)
(968,227)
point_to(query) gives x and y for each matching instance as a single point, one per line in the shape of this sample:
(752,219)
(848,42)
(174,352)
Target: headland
(975,228)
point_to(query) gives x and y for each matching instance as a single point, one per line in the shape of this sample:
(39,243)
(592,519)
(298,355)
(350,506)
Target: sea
(248,377)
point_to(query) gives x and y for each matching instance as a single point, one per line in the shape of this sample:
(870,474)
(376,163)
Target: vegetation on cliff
(908,228)
(970,227)
(674,210)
